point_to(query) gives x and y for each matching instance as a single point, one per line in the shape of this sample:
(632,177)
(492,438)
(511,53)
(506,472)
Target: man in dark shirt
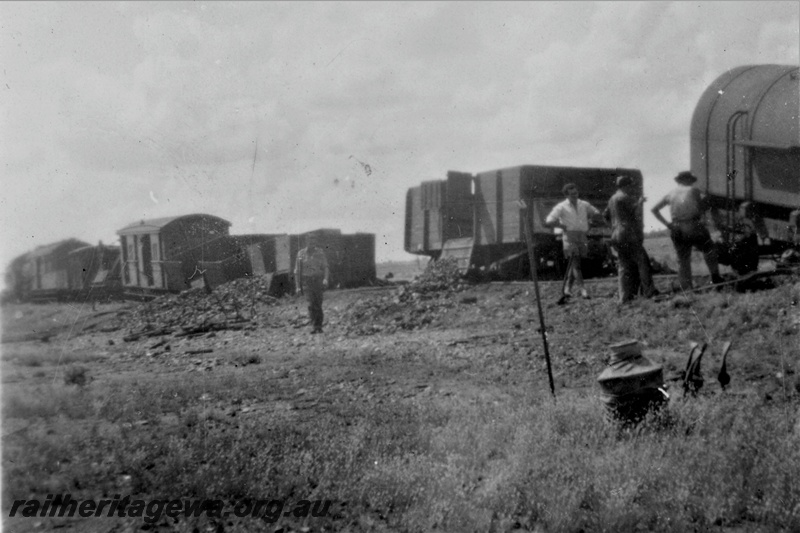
(624,213)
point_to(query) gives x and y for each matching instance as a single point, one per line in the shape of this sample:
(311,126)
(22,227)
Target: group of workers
(573,217)
(624,214)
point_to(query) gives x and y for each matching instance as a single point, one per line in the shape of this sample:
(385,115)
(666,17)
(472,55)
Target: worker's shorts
(575,244)
(691,234)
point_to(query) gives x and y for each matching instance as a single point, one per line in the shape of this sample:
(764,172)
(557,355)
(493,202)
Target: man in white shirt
(572,217)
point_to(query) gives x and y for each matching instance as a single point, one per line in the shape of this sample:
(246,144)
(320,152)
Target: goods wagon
(272,257)
(18,279)
(358,260)
(745,152)
(66,270)
(94,272)
(480,219)
(178,253)
(232,258)
(44,273)
(351,258)
(268,254)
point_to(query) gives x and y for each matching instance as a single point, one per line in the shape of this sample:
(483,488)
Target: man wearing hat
(687,229)
(311,276)
(572,217)
(624,213)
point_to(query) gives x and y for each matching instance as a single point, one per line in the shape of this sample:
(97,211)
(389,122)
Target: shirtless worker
(687,207)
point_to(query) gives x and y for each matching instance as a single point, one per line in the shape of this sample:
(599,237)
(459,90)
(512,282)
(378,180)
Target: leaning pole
(535,277)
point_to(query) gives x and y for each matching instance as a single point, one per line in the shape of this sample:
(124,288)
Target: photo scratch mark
(367,168)
(343,49)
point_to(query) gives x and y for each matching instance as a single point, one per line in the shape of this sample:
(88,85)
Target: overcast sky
(266,113)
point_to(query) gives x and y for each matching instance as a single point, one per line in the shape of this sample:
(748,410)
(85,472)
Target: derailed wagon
(165,254)
(745,152)
(177,253)
(94,272)
(65,270)
(351,258)
(480,219)
(43,273)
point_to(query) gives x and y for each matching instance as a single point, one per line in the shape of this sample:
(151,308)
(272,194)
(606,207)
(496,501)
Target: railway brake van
(480,219)
(164,254)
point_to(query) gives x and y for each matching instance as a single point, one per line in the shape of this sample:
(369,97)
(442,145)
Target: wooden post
(535,277)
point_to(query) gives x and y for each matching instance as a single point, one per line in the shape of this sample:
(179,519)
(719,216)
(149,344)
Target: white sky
(259,112)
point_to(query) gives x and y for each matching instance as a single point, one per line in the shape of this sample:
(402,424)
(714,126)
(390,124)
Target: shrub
(77,375)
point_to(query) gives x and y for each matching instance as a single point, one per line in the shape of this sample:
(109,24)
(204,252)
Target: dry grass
(502,462)
(534,463)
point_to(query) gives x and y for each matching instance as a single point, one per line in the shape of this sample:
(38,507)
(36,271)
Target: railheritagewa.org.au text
(63,505)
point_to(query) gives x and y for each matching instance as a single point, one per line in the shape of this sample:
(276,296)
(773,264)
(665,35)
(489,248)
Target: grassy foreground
(726,461)
(535,463)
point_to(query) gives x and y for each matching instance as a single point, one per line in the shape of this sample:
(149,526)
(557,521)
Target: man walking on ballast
(311,278)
